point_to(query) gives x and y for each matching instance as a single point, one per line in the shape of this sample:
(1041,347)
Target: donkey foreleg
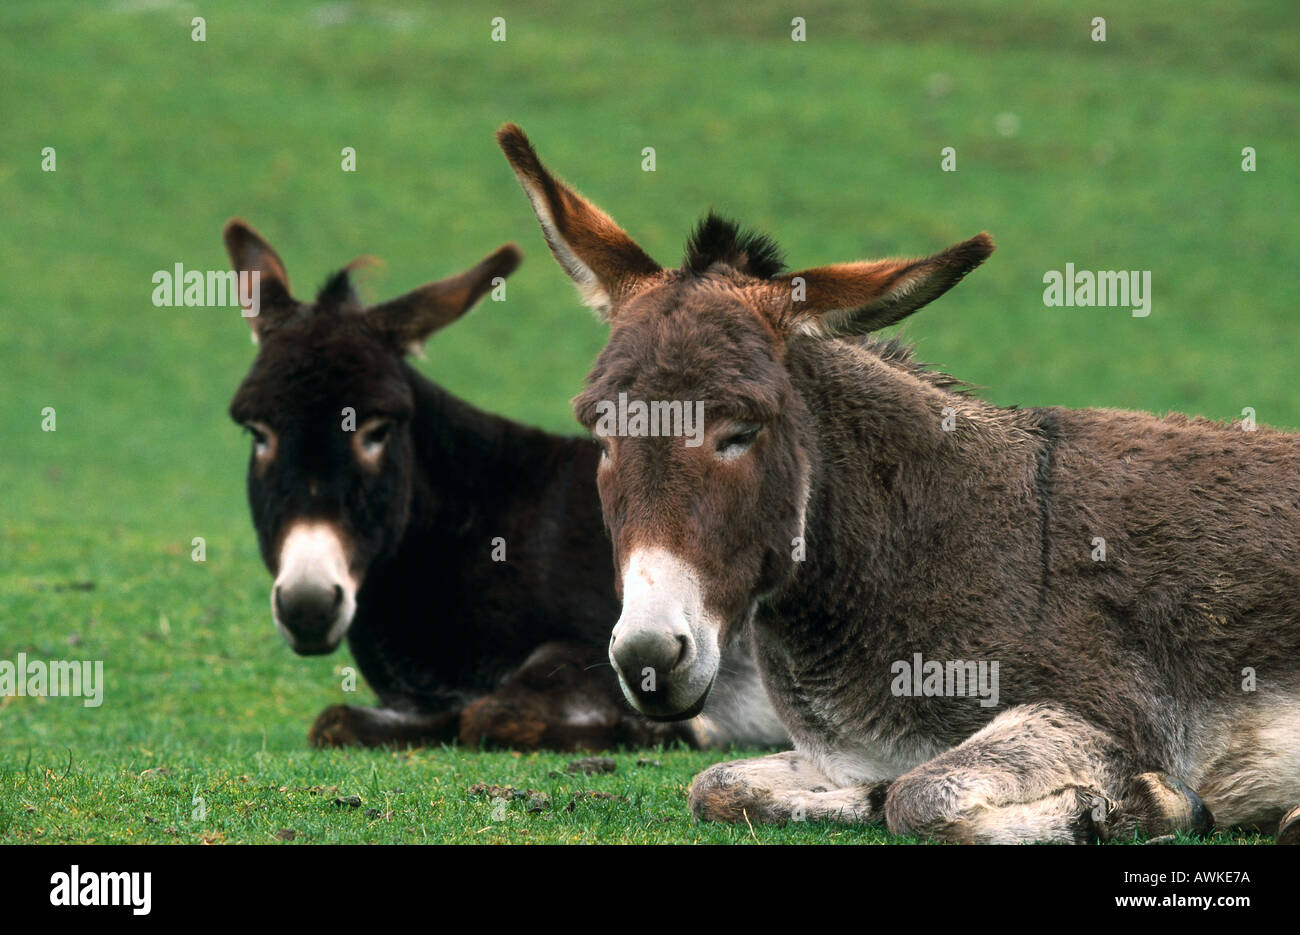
(779,788)
(563,697)
(1038,773)
(352,726)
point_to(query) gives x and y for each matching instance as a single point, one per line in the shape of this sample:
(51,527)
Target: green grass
(409,797)
(1127,156)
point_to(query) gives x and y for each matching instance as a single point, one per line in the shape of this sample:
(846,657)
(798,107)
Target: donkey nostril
(638,652)
(308,606)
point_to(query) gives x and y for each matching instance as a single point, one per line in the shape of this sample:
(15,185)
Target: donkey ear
(411,319)
(856,298)
(604,262)
(250,253)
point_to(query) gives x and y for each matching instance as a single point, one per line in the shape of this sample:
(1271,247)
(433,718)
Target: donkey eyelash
(263,441)
(377,433)
(743,437)
(736,445)
(371,438)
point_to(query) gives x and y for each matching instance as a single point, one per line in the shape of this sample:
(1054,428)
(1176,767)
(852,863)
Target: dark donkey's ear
(604,262)
(250,253)
(856,298)
(411,319)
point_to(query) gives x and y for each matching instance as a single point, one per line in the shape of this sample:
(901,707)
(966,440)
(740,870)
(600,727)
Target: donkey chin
(664,646)
(314,596)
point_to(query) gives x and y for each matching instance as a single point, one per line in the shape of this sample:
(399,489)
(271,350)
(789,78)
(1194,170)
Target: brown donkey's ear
(856,298)
(604,262)
(250,253)
(412,318)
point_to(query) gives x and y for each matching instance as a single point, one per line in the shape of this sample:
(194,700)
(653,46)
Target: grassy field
(1117,155)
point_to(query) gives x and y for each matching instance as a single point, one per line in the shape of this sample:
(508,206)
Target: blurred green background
(1123,154)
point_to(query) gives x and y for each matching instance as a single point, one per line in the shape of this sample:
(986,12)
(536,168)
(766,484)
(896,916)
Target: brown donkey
(920,568)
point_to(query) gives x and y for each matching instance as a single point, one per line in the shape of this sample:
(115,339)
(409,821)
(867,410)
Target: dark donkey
(379,501)
(860,510)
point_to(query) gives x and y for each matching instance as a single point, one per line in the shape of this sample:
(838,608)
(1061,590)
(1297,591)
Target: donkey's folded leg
(1073,814)
(1034,773)
(348,725)
(779,788)
(1155,804)
(1038,773)
(564,696)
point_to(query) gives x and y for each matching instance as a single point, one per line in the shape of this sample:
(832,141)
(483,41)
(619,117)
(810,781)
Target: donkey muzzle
(309,612)
(313,599)
(663,649)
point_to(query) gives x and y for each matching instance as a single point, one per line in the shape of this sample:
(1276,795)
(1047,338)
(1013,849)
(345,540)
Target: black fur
(719,240)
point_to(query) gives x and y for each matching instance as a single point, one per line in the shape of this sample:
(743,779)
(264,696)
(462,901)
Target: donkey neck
(903,467)
(469,462)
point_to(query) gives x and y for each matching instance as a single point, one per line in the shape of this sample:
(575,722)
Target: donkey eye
(372,437)
(737,442)
(261,437)
(378,435)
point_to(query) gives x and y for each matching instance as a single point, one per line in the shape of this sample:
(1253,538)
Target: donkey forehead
(299,374)
(694,342)
(718,297)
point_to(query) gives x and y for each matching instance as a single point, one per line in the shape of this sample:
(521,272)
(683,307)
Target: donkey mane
(338,291)
(719,240)
(897,352)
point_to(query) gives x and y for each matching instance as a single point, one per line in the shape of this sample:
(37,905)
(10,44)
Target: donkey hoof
(1288,829)
(1165,805)
(334,727)
(1202,817)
